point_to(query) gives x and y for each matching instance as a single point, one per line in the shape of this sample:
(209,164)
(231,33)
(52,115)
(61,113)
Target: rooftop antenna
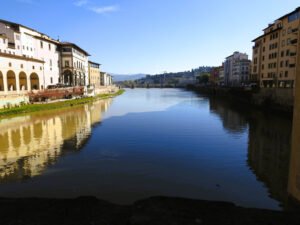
(58,38)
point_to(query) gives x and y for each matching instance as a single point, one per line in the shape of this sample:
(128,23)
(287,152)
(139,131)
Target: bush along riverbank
(28,108)
(273,100)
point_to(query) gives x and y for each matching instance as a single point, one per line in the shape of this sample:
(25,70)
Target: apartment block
(237,69)
(275,53)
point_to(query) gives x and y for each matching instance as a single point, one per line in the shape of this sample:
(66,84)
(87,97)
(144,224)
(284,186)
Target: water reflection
(269,153)
(153,142)
(233,121)
(269,148)
(31,143)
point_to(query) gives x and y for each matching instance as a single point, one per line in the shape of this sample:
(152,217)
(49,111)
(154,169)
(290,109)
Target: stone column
(28,82)
(17,75)
(5,81)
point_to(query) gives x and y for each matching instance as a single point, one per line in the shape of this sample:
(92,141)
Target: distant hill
(120,77)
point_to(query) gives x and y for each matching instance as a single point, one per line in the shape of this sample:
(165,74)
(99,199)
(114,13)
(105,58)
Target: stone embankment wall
(281,100)
(14,99)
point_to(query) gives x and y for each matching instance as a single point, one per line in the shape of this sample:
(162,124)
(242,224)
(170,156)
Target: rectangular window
(67,63)
(49,47)
(42,45)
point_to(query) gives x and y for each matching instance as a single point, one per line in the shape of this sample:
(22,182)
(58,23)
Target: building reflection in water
(269,153)
(233,121)
(31,143)
(269,149)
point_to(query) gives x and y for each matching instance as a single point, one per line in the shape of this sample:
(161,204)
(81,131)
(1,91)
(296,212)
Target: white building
(28,59)
(106,79)
(74,65)
(236,69)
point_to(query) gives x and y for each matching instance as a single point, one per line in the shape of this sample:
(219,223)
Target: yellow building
(275,52)
(94,74)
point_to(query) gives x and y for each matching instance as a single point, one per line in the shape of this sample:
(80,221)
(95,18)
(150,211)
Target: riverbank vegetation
(27,108)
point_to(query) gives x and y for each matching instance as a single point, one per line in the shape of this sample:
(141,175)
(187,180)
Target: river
(150,142)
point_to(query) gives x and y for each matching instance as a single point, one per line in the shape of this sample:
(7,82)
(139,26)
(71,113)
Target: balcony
(294,41)
(293,54)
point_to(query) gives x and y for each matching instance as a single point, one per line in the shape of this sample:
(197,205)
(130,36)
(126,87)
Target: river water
(150,142)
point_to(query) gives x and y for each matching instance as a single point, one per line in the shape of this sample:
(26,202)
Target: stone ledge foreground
(151,211)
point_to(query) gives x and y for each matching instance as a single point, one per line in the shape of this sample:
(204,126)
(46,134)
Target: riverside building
(74,65)
(31,60)
(236,69)
(94,74)
(106,79)
(28,59)
(275,52)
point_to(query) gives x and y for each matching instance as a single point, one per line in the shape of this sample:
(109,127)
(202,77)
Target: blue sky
(151,36)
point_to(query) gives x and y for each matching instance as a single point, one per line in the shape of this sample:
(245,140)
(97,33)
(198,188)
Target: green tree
(203,78)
